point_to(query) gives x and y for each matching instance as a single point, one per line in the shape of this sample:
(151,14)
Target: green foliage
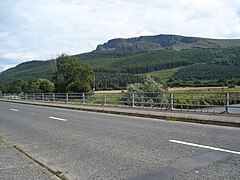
(28,71)
(205,97)
(151,86)
(238,82)
(149,92)
(72,75)
(42,86)
(162,76)
(36,86)
(136,88)
(116,80)
(115,70)
(205,75)
(3,88)
(18,86)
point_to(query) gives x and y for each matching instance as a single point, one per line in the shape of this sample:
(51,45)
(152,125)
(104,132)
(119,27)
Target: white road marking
(56,118)
(206,147)
(14,110)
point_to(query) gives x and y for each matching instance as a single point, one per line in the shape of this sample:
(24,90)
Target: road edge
(23,153)
(188,119)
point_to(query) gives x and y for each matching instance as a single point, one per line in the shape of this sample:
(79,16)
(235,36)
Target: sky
(43,29)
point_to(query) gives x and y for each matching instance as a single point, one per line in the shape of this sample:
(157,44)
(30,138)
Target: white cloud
(41,29)
(26,55)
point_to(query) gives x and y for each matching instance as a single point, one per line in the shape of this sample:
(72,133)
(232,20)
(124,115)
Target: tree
(149,92)
(2,88)
(151,86)
(34,87)
(148,86)
(238,82)
(18,86)
(72,75)
(136,87)
(41,86)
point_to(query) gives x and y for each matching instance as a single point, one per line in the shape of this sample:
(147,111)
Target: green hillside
(162,76)
(28,70)
(181,61)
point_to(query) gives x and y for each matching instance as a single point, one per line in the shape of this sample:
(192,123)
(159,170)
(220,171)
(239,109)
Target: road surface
(234,108)
(87,145)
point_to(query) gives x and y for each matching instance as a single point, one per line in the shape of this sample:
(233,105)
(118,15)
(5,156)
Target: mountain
(170,59)
(27,70)
(176,42)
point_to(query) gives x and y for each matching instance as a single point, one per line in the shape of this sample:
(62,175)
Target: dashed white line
(205,147)
(56,118)
(14,110)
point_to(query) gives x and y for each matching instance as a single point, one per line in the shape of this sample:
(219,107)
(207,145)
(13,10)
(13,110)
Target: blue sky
(42,29)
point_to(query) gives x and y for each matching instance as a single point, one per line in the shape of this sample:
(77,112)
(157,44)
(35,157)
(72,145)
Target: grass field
(183,97)
(220,89)
(205,95)
(163,75)
(182,89)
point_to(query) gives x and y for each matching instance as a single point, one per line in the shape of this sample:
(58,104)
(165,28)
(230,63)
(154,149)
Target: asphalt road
(15,166)
(234,108)
(85,145)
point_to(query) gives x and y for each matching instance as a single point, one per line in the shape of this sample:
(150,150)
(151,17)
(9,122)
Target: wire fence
(228,102)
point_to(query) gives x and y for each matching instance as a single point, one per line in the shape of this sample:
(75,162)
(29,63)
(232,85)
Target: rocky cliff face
(145,43)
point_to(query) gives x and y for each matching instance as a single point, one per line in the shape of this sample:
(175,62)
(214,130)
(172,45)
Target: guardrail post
(66,97)
(1,95)
(83,98)
(42,96)
(34,97)
(133,100)
(26,96)
(53,97)
(105,99)
(171,101)
(151,103)
(227,102)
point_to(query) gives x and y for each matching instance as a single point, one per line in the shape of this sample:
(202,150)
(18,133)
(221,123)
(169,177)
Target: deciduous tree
(72,75)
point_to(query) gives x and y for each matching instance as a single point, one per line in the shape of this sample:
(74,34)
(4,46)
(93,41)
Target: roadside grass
(206,96)
(100,99)
(185,98)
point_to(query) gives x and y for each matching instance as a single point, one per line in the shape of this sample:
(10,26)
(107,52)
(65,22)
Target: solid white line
(59,119)
(206,147)
(14,110)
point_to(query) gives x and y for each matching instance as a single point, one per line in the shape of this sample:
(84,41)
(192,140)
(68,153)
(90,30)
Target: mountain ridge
(119,61)
(161,41)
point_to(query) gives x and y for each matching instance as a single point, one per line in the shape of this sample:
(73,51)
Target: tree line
(206,75)
(115,70)
(19,85)
(69,75)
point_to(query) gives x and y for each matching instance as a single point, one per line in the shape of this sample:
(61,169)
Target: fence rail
(228,102)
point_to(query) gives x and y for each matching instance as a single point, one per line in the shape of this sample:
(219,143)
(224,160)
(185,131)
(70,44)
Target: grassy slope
(29,70)
(163,75)
(226,42)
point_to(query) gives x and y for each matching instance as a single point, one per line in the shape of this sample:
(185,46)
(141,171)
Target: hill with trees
(169,59)
(163,41)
